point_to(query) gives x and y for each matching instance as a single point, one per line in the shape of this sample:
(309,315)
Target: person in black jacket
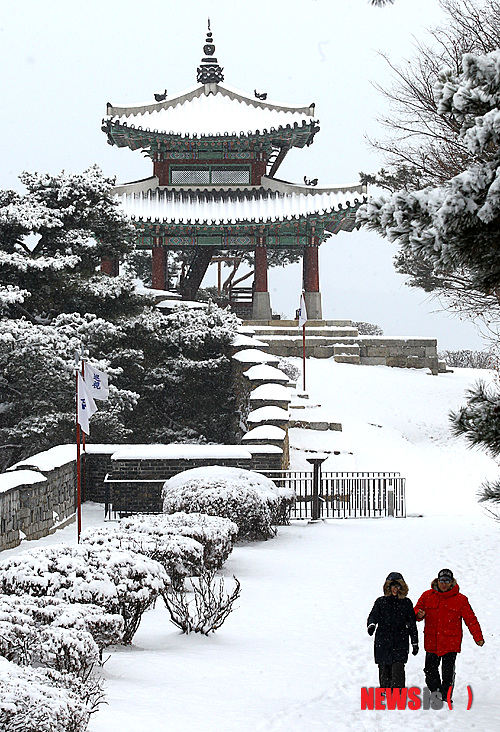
(393,618)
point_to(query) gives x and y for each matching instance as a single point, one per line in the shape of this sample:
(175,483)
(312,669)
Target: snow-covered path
(294,654)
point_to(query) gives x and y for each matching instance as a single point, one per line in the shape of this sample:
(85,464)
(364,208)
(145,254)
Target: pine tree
(455,226)
(170,374)
(425,145)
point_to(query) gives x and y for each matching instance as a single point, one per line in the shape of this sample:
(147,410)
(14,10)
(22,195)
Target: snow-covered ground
(295,653)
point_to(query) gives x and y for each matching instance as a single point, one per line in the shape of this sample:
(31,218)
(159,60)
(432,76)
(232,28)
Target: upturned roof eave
(114,129)
(267,185)
(199,90)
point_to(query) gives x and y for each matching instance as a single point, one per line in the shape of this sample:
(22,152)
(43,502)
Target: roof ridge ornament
(209,71)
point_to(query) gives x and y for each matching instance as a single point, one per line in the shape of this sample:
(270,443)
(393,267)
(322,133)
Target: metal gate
(343,495)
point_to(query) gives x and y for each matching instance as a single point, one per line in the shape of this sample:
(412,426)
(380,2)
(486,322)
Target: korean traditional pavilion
(216,152)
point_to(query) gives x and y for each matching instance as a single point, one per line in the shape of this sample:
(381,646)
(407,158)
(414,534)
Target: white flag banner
(96,382)
(302,311)
(86,406)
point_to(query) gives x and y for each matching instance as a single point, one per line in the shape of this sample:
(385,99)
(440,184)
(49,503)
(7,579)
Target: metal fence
(343,495)
(331,495)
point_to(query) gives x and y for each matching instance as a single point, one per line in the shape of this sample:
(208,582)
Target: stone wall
(135,483)
(34,503)
(416,353)
(9,519)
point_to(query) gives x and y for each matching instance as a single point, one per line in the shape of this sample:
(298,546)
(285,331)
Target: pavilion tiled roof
(259,205)
(211,110)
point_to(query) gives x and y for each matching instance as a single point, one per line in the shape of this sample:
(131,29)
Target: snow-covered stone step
(267,334)
(254,356)
(316,425)
(346,353)
(268,415)
(264,373)
(253,324)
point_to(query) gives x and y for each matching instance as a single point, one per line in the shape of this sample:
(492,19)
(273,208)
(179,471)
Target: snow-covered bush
(118,580)
(216,534)
(368,329)
(289,368)
(105,628)
(251,500)
(467,359)
(63,649)
(207,610)
(43,700)
(179,555)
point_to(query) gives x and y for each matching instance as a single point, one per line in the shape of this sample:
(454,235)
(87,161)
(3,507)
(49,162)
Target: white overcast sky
(62,61)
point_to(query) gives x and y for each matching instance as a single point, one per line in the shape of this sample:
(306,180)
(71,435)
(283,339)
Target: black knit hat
(445,574)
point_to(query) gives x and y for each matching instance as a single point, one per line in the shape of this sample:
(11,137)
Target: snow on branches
(216,534)
(42,700)
(119,581)
(455,225)
(251,500)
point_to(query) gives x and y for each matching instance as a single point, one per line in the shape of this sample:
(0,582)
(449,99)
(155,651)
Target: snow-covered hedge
(105,628)
(117,580)
(41,700)
(63,649)
(180,556)
(216,534)
(249,499)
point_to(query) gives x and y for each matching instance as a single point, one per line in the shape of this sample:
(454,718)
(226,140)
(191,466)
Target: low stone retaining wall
(37,496)
(136,473)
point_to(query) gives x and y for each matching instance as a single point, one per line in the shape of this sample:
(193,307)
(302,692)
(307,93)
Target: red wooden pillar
(310,264)
(158,267)
(261,301)
(261,265)
(110,266)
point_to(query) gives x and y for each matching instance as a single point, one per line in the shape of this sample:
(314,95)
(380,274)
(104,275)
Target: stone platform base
(340,340)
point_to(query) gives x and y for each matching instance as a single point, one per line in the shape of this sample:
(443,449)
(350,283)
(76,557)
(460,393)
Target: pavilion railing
(344,494)
(239,295)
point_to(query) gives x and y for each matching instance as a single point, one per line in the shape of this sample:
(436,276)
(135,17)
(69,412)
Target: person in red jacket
(444,608)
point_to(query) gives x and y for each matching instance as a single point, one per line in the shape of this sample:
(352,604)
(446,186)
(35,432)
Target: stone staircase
(340,340)
(324,338)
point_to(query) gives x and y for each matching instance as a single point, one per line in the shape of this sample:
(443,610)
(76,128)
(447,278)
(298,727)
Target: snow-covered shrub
(43,700)
(288,368)
(118,580)
(105,628)
(207,610)
(179,555)
(251,500)
(467,359)
(216,534)
(367,329)
(63,649)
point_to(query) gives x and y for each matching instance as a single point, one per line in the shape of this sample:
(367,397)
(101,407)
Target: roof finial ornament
(209,71)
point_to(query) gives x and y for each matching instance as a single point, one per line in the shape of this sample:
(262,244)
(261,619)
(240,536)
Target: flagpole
(78,464)
(304,357)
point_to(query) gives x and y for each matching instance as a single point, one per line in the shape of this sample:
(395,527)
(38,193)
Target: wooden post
(261,306)
(110,266)
(310,266)
(158,266)
(261,265)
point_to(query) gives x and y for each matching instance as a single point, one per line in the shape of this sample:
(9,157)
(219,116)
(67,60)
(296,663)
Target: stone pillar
(158,267)
(261,309)
(310,265)
(110,266)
